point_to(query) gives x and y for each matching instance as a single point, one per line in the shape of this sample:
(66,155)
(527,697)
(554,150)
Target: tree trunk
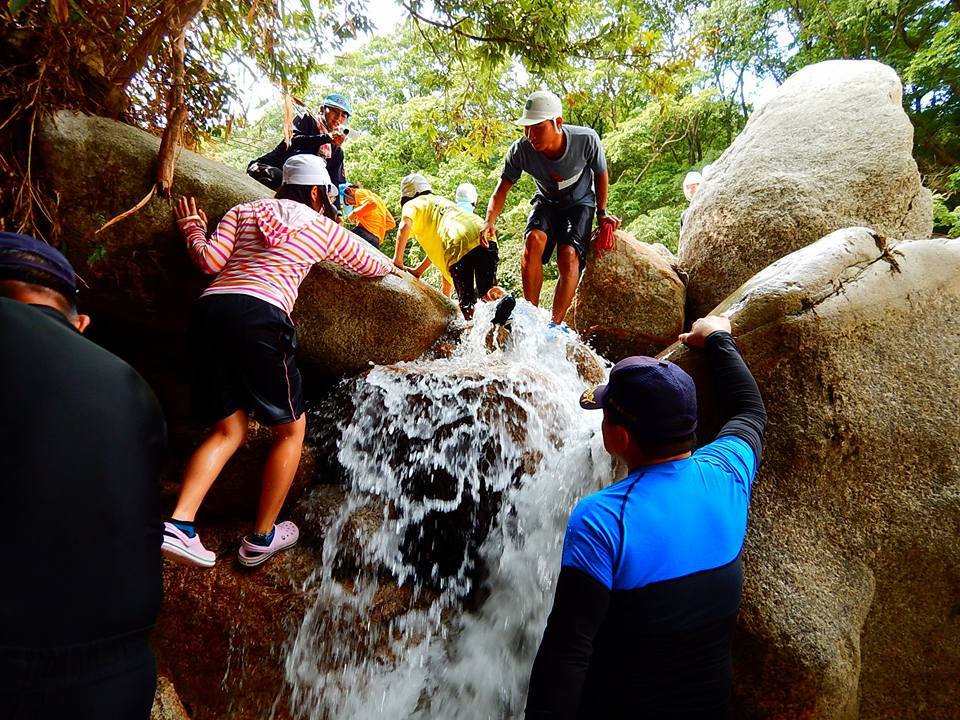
(174,18)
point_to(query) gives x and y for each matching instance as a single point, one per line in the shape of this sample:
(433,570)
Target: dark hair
(405,200)
(38,280)
(652,448)
(301,194)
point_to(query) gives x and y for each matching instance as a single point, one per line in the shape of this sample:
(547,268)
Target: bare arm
(421,268)
(403,235)
(601,185)
(494,207)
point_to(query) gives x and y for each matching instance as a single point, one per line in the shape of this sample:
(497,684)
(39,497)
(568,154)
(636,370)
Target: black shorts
(474,274)
(562,226)
(243,359)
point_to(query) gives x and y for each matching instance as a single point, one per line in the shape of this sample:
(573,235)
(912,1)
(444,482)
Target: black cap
(24,253)
(655,398)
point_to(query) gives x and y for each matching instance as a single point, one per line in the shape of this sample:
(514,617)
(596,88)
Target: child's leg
(282,462)
(207,461)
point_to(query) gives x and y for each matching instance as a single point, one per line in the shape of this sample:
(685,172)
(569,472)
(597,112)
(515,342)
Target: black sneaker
(502,314)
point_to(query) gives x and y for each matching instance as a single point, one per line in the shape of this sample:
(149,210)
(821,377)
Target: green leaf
(17,5)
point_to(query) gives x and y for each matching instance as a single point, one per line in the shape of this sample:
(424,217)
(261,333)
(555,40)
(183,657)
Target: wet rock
(444,511)
(141,284)
(630,301)
(221,631)
(166,703)
(832,148)
(850,601)
(590,366)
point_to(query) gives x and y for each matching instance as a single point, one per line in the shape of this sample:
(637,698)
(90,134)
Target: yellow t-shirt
(371,213)
(445,231)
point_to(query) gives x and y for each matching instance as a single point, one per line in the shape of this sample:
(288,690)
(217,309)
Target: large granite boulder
(850,606)
(831,148)
(139,283)
(630,301)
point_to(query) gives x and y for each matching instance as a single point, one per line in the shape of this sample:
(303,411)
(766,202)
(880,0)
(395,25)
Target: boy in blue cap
(651,574)
(310,135)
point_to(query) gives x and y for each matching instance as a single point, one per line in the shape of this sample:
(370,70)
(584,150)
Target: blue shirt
(665,521)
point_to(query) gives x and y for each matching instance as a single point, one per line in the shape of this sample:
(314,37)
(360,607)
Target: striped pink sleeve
(211,255)
(346,249)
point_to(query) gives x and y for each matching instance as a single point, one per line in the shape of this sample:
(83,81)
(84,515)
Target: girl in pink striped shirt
(244,343)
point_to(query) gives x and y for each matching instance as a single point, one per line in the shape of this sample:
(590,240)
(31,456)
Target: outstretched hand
(187,207)
(487,234)
(704,328)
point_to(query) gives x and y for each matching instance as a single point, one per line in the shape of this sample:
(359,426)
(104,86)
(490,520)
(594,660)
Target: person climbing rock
(312,136)
(243,342)
(570,170)
(452,240)
(368,212)
(81,450)
(651,571)
(691,183)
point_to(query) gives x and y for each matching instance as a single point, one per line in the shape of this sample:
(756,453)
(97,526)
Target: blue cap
(654,398)
(24,253)
(338,101)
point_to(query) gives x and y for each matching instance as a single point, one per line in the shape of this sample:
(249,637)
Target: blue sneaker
(557,330)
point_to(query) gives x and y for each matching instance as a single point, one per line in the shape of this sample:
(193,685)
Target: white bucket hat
(414,184)
(692,179)
(466,192)
(306,170)
(541,105)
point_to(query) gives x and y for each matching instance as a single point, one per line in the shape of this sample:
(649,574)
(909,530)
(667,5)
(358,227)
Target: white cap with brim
(414,184)
(541,105)
(306,170)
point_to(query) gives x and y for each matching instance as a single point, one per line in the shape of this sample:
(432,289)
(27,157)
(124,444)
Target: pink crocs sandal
(181,548)
(285,535)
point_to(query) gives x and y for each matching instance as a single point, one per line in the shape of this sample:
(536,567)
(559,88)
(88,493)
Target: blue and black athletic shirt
(651,577)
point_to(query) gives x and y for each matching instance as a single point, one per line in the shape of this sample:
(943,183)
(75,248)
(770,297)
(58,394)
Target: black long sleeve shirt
(81,444)
(651,578)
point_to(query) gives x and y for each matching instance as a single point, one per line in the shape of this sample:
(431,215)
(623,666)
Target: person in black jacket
(310,135)
(651,574)
(80,453)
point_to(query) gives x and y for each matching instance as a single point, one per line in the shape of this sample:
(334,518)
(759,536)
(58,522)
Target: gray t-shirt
(566,181)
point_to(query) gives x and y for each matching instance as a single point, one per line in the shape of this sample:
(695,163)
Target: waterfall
(470,464)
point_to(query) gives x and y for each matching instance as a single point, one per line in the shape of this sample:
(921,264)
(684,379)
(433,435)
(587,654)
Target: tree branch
(174,17)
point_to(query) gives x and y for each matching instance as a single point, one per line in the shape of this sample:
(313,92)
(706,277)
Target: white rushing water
(504,423)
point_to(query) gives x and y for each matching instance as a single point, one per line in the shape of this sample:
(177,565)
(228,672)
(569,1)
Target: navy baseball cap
(22,253)
(655,398)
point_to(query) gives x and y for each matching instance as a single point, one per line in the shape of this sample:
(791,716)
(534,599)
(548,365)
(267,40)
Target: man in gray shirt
(570,170)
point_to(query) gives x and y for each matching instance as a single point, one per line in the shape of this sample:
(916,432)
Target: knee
(567,260)
(534,243)
(232,429)
(291,431)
